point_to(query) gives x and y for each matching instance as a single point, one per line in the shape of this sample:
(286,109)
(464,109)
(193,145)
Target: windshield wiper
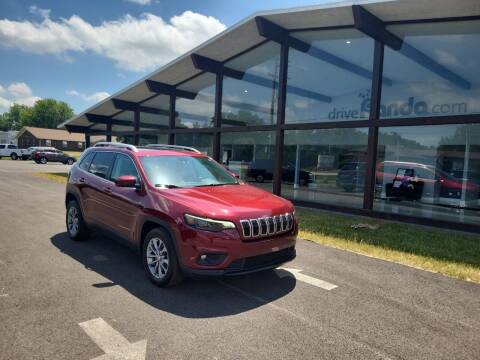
(169,186)
(220,184)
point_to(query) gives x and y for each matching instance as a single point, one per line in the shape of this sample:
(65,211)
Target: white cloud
(140,2)
(16,93)
(95,97)
(135,44)
(44,13)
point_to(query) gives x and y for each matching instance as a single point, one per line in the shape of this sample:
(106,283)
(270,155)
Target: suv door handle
(82,180)
(108,190)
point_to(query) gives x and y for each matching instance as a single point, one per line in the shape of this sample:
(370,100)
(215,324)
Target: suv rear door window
(12,146)
(86,161)
(101,164)
(123,166)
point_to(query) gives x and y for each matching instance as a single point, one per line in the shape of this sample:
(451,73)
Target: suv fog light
(211,259)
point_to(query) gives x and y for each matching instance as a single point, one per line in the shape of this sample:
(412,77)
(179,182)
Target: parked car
(43,156)
(437,185)
(182,211)
(10,150)
(27,155)
(262,170)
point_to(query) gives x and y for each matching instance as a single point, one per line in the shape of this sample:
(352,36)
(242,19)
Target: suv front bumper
(246,265)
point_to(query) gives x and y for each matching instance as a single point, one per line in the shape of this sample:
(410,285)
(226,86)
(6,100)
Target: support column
(109,132)
(279,135)
(87,141)
(136,127)
(171,120)
(217,120)
(370,175)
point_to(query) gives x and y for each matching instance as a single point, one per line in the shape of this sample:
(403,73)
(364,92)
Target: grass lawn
(450,253)
(75,154)
(60,177)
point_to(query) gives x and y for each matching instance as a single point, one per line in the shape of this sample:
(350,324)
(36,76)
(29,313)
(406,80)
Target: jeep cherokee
(182,211)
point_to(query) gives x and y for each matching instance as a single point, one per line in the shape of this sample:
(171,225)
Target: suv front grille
(266,226)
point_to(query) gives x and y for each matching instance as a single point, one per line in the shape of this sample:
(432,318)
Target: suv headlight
(208,224)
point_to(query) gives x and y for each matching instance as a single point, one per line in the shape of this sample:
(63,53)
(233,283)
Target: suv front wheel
(160,259)
(76,228)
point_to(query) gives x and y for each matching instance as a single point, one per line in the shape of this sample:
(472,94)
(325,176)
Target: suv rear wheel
(160,259)
(43,160)
(76,228)
(14,156)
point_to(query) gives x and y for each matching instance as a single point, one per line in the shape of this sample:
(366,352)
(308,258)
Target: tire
(79,232)
(69,161)
(43,160)
(260,178)
(158,241)
(13,156)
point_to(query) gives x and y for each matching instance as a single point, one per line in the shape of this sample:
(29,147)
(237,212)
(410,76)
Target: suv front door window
(98,188)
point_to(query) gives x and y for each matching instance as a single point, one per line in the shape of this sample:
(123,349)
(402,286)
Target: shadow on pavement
(192,298)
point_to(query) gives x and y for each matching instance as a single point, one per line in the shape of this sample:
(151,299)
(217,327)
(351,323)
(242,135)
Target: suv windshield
(185,171)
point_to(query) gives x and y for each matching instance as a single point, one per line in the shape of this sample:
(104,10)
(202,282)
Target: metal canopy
(245,35)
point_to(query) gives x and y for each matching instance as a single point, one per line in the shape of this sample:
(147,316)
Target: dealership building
(371,108)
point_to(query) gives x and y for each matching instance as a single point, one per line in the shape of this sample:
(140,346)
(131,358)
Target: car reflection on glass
(262,170)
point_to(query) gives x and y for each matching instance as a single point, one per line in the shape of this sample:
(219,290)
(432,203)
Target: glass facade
(426,167)
(200,141)
(197,112)
(435,73)
(325,166)
(429,171)
(250,87)
(250,155)
(146,139)
(327,83)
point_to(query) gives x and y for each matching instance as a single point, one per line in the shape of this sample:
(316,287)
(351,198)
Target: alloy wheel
(157,258)
(72,221)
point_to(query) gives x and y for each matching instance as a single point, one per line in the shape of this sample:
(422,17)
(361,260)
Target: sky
(82,51)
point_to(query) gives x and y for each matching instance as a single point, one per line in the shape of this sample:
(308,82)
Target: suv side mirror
(126,181)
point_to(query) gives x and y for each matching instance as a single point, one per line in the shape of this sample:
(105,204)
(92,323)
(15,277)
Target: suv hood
(229,201)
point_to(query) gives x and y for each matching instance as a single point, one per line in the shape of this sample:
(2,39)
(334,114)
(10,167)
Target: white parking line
(112,342)
(297,273)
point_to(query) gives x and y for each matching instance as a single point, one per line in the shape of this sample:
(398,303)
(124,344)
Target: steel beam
(213,66)
(166,89)
(133,106)
(276,33)
(374,27)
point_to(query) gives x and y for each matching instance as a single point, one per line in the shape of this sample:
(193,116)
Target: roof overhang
(245,34)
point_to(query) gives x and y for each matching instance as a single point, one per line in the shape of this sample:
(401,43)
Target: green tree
(48,113)
(14,119)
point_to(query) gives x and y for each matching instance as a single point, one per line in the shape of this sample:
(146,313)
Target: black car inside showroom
(371,108)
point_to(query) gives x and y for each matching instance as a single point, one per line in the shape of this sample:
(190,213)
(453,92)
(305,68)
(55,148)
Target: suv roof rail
(172,147)
(116,144)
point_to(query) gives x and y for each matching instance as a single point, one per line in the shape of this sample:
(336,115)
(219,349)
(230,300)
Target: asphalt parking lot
(65,300)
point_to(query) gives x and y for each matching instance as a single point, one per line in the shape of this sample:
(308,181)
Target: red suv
(182,211)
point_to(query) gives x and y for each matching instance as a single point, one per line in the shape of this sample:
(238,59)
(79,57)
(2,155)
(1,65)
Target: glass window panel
(150,121)
(429,171)
(332,80)
(250,87)
(325,166)
(146,139)
(125,122)
(199,112)
(251,155)
(199,141)
(422,90)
